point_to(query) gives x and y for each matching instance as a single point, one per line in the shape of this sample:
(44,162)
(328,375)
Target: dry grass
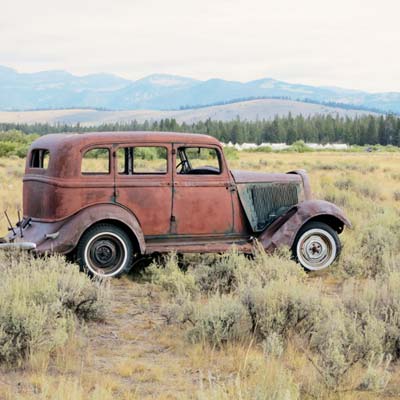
(11,172)
(135,355)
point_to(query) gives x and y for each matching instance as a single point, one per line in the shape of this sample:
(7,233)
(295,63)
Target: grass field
(165,334)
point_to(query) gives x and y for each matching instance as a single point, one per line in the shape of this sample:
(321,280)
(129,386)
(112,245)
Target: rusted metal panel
(51,199)
(306,182)
(148,196)
(151,204)
(202,204)
(283,232)
(241,225)
(67,232)
(202,208)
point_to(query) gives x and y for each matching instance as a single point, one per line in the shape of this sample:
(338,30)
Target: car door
(143,184)
(202,200)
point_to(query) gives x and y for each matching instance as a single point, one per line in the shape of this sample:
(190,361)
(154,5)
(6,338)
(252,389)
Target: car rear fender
(284,230)
(62,237)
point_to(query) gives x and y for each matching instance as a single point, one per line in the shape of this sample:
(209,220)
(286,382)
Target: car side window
(198,161)
(142,160)
(40,158)
(96,162)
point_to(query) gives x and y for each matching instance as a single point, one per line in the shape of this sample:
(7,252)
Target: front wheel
(105,250)
(316,246)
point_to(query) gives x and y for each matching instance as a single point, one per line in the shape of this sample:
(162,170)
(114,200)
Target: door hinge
(232,187)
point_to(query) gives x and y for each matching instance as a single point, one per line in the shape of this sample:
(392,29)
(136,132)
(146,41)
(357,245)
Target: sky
(345,43)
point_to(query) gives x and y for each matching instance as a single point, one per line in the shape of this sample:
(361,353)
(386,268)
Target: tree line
(361,130)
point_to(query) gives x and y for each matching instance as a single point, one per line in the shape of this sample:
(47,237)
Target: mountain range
(60,90)
(250,110)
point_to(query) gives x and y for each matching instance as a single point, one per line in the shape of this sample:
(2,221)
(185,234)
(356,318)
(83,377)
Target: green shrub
(377,242)
(7,149)
(264,268)
(273,345)
(170,277)
(345,184)
(361,189)
(300,147)
(340,340)
(180,311)
(377,375)
(231,153)
(227,272)
(15,143)
(379,300)
(149,153)
(282,306)
(261,149)
(16,136)
(368,190)
(395,176)
(39,302)
(220,276)
(222,319)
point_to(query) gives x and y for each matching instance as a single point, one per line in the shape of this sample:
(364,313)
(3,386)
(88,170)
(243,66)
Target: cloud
(344,43)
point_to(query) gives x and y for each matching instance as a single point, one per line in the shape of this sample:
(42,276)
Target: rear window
(96,162)
(40,158)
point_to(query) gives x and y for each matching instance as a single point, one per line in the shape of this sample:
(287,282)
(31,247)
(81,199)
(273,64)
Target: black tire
(317,246)
(105,250)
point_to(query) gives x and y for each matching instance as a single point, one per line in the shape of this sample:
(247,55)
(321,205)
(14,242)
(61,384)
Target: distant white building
(282,146)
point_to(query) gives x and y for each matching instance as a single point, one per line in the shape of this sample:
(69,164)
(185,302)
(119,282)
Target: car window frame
(123,146)
(42,155)
(193,145)
(96,147)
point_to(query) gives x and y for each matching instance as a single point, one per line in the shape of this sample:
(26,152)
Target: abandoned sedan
(109,199)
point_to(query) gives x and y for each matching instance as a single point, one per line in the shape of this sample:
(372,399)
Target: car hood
(263,177)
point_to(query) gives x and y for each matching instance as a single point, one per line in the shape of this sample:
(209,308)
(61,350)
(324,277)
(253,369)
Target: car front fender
(283,231)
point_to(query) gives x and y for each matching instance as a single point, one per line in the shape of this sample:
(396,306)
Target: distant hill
(246,110)
(60,89)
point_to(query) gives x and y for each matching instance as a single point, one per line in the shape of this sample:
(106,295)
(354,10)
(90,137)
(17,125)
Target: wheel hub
(105,253)
(316,249)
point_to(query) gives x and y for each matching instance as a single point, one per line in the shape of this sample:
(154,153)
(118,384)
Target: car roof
(57,140)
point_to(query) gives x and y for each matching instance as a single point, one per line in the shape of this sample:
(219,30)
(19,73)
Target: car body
(94,195)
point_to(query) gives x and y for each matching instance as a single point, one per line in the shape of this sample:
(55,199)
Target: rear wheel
(316,246)
(105,250)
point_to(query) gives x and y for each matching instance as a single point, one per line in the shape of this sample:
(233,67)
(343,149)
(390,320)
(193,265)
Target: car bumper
(37,237)
(18,246)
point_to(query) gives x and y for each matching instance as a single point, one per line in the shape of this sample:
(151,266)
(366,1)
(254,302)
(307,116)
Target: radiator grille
(263,203)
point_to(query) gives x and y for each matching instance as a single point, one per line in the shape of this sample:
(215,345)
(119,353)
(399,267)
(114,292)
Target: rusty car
(107,199)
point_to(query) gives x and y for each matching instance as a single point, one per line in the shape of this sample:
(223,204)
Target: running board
(196,244)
